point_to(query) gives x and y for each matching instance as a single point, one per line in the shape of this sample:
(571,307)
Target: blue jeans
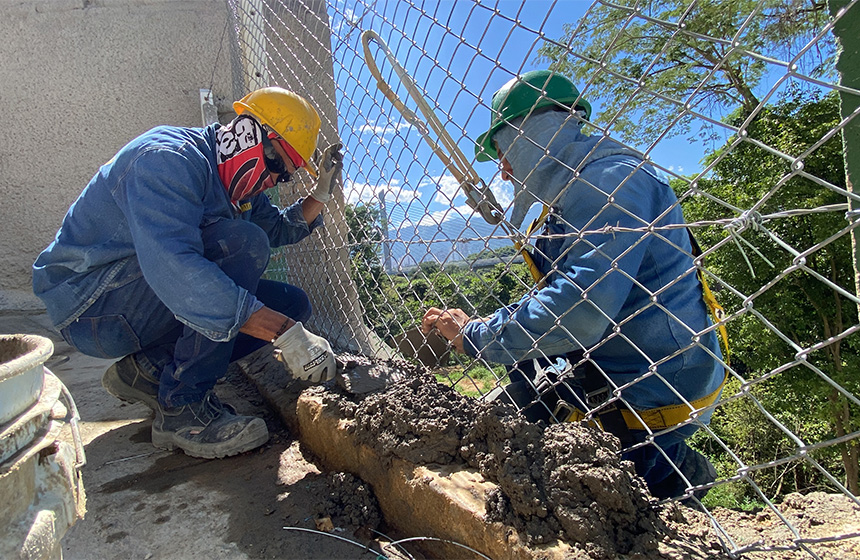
(129,318)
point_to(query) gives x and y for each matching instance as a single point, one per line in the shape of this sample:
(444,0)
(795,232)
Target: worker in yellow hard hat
(159,263)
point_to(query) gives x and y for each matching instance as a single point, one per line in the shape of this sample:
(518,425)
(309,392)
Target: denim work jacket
(631,299)
(150,202)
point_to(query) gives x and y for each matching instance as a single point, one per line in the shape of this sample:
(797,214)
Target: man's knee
(301,306)
(285,298)
(236,244)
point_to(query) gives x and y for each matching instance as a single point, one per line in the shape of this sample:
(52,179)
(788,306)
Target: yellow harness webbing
(718,314)
(527,257)
(655,418)
(664,416)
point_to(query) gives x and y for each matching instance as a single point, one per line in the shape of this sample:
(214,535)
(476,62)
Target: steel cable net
(736,105)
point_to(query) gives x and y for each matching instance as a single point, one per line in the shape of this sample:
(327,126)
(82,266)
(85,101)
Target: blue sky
(459,53)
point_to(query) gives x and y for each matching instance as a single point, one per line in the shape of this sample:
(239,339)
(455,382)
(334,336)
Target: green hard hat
(522,95)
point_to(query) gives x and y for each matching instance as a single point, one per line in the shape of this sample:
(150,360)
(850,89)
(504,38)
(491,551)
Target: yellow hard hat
(288,114)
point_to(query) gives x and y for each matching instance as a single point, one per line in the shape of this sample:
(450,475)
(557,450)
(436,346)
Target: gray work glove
(328,173)
(306,355)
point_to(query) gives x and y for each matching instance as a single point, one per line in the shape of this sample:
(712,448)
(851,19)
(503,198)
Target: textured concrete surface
(445,466)
(442,502)
(438,502)
(79,79)
(145,503)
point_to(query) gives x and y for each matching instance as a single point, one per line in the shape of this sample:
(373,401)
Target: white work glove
(328,173)
(306,355)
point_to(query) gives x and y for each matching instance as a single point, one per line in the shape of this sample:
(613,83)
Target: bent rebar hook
(478,196)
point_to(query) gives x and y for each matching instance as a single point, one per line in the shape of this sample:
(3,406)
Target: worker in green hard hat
(617,331)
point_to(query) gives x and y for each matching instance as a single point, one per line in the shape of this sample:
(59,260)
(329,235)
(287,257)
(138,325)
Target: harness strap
(655,418)
(717,312)
(527,256)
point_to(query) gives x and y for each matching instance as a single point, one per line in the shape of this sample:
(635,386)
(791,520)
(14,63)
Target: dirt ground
(151,504)
(257,505)
(817,517)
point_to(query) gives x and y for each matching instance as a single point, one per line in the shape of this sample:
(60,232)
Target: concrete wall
(79,79)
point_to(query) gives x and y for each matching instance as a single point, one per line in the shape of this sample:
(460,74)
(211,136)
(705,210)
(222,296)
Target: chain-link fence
(732,114)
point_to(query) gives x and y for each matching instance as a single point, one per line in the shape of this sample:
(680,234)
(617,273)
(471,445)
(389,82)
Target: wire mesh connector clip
(208,110)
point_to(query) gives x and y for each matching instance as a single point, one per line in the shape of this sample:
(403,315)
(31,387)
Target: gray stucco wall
(79,79)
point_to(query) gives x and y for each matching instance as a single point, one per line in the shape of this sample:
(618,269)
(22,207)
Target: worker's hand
(306,355)
(448,322)
(328,173)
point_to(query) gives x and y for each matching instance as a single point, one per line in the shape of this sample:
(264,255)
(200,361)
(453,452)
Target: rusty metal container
(41,491)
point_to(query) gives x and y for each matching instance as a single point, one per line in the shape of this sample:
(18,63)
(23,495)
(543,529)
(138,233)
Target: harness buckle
(564,411)
(598,397)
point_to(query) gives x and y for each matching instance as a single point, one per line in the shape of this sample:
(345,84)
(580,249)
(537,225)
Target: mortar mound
(351,502)
(563,482)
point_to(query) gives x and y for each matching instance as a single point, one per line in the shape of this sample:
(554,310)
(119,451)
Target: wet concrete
(561,486)
(417,420)
(350,501)
(565,481)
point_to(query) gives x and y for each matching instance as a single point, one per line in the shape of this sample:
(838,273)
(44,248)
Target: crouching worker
(620,309)
(159,262)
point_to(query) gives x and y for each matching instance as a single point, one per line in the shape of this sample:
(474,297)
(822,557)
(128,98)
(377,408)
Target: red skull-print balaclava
(241,164)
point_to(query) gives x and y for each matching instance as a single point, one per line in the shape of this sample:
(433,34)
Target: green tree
(365,235)
(797,302)
(372,283)
(643,71)
(498,253)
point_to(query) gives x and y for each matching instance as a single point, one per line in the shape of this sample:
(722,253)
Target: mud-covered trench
(563,482)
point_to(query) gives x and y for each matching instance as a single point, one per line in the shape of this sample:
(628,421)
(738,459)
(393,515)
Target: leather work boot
(128,382)
(207,429)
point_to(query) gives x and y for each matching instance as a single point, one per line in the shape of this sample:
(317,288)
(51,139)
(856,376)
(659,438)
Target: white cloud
(446,186)
(503,191)
(448,190)
(382,130)
(348,19)
(364,192)
(441,216)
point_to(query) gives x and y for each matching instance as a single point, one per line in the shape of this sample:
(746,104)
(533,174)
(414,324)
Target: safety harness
(603,407)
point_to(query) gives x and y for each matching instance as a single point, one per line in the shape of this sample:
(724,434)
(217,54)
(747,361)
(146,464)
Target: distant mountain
(452,240)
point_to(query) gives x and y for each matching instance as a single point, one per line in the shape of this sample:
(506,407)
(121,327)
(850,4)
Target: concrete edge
(445,502)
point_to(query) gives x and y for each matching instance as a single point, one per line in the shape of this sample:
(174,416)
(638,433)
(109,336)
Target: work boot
(207,429)
(696,468)
(128,382)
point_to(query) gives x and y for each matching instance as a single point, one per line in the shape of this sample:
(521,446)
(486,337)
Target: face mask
(536,176)
(274,163)
(241,159)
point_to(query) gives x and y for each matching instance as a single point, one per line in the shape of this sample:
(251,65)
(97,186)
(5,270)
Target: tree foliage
(803,304)
(396,303)
(646,60)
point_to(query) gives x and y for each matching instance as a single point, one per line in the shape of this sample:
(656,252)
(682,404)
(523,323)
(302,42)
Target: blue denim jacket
(631,299)
(150,202)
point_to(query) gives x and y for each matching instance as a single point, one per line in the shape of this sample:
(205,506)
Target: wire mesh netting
(714,124)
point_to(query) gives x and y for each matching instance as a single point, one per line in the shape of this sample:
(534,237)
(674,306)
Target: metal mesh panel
(744,93)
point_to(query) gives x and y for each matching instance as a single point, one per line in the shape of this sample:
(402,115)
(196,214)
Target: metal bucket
(21,360)
(41,492)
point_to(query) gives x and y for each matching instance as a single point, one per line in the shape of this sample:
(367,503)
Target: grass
(473,381)
(732,495)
